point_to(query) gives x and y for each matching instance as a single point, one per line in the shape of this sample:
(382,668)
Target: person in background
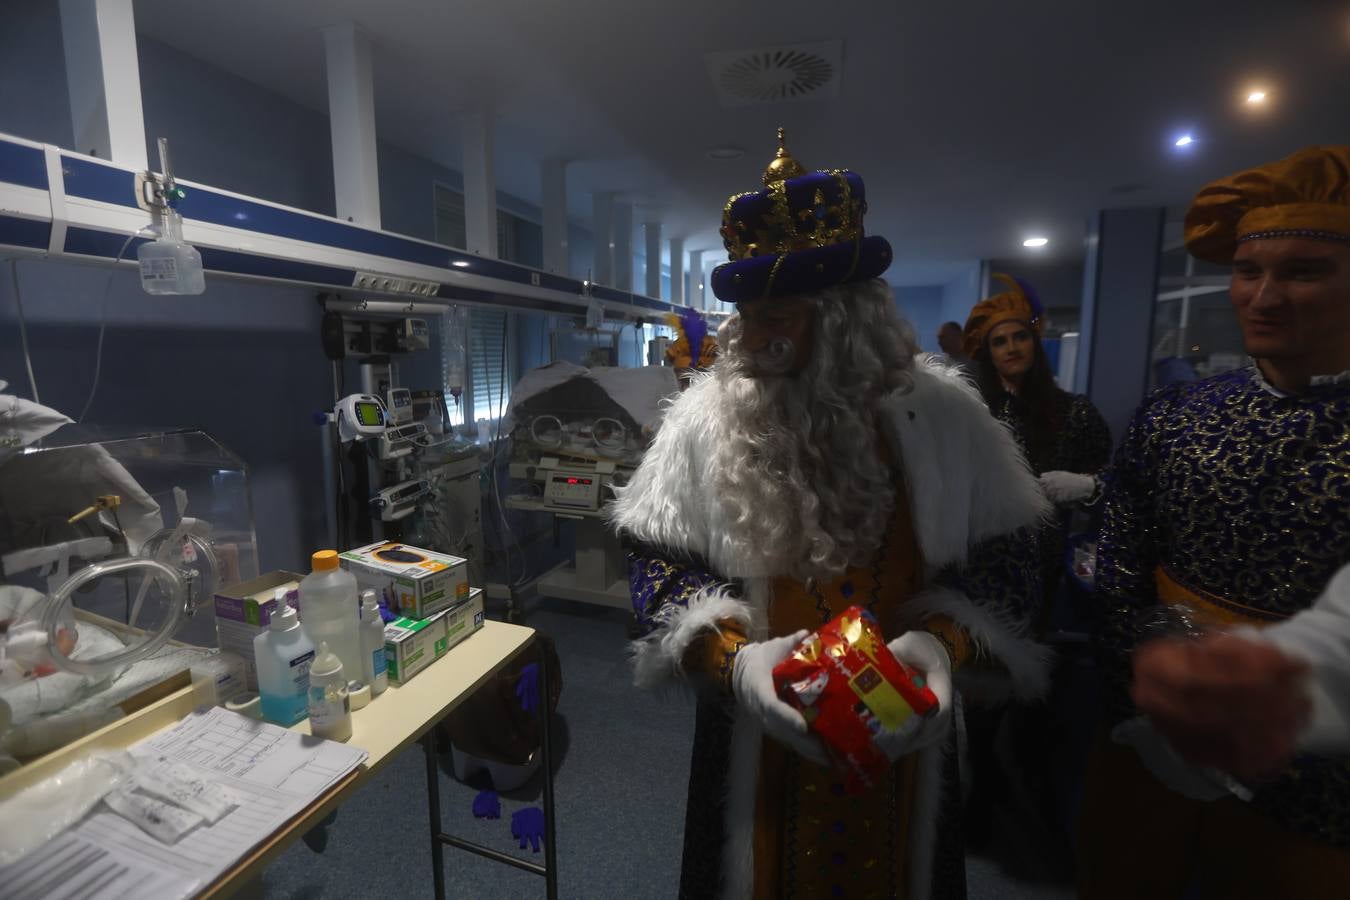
(1066,440)
(694,349)
(1019,771)
(823,464)
(1229,505)
(950,340)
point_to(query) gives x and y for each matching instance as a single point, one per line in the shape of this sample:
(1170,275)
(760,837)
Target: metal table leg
(439,839)
(434,803)
(546,751)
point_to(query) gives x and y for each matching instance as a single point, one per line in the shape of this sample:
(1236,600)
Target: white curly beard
(797,468)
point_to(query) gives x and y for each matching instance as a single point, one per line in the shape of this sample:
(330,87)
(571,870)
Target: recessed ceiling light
(1185,140)
(1035,242)
(724,152)
(460,264)
(1256,97)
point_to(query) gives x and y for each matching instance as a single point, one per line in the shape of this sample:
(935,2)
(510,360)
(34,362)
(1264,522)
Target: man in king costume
(820,465)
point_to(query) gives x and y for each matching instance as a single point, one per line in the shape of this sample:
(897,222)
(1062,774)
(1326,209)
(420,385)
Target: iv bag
(454,351)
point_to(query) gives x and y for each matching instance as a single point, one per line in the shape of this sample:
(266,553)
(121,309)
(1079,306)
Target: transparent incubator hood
(113,543)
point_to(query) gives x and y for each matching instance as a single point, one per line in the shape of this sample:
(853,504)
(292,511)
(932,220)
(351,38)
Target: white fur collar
(967,478)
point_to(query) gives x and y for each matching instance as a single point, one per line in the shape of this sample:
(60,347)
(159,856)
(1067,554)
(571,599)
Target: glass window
(450,227)
(1195,334)
(489,382)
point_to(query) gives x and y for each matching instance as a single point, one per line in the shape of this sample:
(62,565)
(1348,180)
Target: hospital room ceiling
(975,124)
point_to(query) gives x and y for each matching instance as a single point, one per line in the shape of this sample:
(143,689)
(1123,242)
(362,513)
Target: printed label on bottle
(300,672)
(159,268)
(378,661)
(328,705)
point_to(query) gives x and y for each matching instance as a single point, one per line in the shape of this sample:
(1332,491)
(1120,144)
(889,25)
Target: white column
(652,231)
(677,270)
(696,279)
(602,206)
(554,211)
(478,134)
(351,117)
(623,246)
(104,79)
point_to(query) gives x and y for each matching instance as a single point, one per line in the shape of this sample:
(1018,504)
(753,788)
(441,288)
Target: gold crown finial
(783,165)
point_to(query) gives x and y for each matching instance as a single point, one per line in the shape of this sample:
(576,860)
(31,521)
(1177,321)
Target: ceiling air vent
(776,74)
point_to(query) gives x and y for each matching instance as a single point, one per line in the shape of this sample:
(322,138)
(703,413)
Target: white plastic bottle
(374,671)
(330,710)
(283,655)
(329,609)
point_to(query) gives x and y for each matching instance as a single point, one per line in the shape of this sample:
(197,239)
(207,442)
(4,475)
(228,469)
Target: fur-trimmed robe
(973,500)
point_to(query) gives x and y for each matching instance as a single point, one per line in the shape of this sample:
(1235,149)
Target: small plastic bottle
(374,671)
(330,711)
(283,654)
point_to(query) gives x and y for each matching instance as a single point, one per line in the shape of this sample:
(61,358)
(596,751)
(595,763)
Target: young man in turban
(821,465)
(1230,506)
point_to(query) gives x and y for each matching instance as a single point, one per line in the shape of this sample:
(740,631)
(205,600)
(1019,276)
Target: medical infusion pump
(360,416)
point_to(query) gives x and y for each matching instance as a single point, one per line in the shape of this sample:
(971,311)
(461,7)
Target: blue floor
(620,795)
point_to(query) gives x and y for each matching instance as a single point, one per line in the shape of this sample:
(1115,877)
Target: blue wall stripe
(16,232)
(93,180)
(104,244)
(91,242)
(98,181)
(269,267)
(23,165)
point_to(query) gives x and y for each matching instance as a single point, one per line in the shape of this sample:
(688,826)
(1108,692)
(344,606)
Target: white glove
(920,650)
(1321,637)
(1068,487)
(752,684)
(1159,757)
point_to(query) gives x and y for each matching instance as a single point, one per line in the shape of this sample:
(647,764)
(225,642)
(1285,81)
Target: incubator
(112,547)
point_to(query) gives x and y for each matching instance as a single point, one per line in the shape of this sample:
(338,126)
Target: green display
(369,414)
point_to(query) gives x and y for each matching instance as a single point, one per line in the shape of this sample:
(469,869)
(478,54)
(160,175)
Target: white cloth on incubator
(638,392)
(57,484)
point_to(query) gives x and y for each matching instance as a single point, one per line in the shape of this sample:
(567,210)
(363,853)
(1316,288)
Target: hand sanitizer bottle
(283,655)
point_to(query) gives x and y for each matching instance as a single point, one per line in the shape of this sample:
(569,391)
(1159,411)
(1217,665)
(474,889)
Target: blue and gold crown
(802,233)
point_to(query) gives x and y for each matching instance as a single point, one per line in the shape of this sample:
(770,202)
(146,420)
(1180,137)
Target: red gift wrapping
(849,687)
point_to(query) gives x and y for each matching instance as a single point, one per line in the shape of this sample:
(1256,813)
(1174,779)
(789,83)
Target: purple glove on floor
(487,806)
(528,824)
(527,688)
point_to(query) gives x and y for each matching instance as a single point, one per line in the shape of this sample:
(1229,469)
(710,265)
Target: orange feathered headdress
(1303,195)
(1018,304)
(693,347)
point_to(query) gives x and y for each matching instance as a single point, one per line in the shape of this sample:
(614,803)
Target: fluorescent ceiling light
(1035,242)
(1185,141)
(460,264)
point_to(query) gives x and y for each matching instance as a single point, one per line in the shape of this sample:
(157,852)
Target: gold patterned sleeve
(960,647)
(712,655)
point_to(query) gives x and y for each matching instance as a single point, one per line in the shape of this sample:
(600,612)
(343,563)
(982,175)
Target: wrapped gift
(849,687)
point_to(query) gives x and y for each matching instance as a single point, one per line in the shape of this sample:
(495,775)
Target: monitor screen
(368,413)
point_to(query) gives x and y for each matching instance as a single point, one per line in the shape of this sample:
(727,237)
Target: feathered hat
(802,233)
(1017,304)
(693,347)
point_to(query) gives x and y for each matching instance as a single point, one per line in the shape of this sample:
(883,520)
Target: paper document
(276,772)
